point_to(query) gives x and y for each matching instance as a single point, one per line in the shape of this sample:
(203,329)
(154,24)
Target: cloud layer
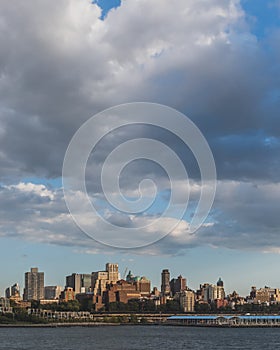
(60,64)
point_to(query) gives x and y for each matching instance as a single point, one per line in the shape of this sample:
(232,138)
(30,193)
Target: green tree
(173,306)
(202,308)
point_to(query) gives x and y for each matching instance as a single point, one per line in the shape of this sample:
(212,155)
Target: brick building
(122,291)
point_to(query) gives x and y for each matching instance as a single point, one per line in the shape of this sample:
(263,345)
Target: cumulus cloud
(244,216)
(60,64)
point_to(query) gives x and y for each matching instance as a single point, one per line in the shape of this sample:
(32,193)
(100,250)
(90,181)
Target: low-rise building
(5,306)
(67,294)
(142,284)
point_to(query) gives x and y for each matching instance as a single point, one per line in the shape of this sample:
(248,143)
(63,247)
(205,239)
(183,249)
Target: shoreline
(106,324)
(57,325)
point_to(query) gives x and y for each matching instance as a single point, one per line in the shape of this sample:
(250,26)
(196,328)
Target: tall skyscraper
(34,285)
(165,282)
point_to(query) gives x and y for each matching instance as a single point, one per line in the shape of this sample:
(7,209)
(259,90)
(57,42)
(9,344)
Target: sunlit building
(34,285)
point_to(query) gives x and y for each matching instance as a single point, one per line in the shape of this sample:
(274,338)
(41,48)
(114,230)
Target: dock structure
(226,321)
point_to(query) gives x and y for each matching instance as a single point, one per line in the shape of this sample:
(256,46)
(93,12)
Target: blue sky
(218,63)
(263,16)
(107,5)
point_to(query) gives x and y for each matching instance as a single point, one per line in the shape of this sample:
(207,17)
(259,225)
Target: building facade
(143,285)
(53,292)
(81,283)
(212,292)
(100,279)
(34,285)
(165,282)
(67,294)
(5,306)
(13,292)
(187,300)
(122,291)
(178,285)
(262,295)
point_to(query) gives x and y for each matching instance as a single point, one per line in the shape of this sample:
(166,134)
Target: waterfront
(138,337)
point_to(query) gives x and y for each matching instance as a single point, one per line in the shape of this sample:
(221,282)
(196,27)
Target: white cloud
(60,64)
(245,216)
(37,189)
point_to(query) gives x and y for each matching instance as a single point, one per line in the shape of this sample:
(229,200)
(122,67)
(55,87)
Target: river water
(139,338)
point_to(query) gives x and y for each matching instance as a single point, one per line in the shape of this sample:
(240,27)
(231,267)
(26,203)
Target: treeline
(134,305)
(72,305)
(143,306)
(20,316)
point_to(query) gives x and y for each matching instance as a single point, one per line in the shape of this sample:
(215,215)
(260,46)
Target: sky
(215,61)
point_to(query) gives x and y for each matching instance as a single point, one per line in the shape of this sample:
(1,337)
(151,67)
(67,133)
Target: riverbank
(92,324)
(60,324)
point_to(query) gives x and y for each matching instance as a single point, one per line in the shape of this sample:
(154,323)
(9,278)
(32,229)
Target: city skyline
(216,62)
(70,280)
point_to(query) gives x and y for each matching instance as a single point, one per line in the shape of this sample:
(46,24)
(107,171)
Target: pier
(226,321)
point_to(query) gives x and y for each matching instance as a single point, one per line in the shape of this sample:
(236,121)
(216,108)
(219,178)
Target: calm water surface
(138,337)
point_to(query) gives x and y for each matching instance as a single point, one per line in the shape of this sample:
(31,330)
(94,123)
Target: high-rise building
(34,285)
(165,282)
(263,295)
(177,285)
(52,292)
(100,279)
(113,272)
(81,283)
(13,292)
(74,281)
(8,293)
(213,292)
(85,283)
(187,300)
